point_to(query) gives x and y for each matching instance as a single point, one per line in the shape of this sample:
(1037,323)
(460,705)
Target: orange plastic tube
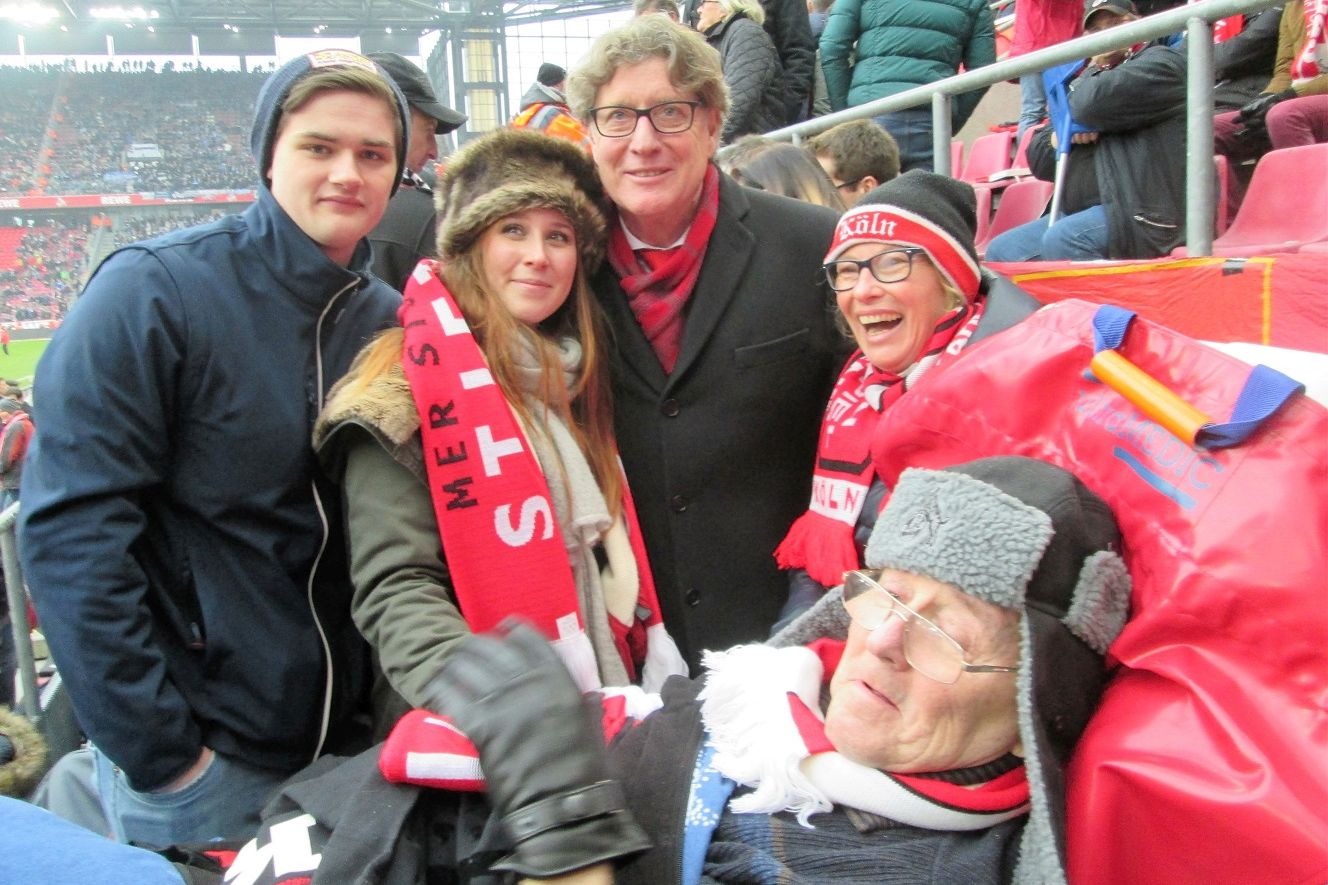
(1149,395)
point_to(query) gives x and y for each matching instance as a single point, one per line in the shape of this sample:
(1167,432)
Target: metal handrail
(18,612)
(1195,20)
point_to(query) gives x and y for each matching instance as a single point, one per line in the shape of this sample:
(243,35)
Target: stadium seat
(1223,192)
(1021,152)
(1285,207)
(989,153)
(1021,202)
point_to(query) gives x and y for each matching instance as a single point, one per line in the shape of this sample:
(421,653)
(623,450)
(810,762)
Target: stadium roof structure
(231,27)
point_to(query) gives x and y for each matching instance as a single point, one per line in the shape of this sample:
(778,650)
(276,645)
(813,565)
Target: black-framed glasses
(887,266)
(849,184)
(927,648)
(668,118)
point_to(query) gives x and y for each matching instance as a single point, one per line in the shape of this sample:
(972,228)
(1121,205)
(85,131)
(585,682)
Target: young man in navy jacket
(174,532)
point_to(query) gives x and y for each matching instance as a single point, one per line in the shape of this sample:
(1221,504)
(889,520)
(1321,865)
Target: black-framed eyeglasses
(849,184)
(887,266)
(668,118)
(927,648)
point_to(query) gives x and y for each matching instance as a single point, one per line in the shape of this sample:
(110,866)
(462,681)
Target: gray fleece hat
(267,109)
(1025,535)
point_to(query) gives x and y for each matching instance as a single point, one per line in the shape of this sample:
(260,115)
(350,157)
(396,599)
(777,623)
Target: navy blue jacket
(174,531)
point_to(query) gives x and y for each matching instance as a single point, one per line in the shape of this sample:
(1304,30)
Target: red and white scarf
(1312,60)
(504,548)
(659,282)
(761,708)
(821,540)
(761,713)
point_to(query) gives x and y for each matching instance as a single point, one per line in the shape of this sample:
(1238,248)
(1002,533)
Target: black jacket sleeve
(1146,89)
(1252,51)
(788,26)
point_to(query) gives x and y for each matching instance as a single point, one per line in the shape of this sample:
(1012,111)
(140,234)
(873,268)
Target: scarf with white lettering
(505,551)
(821,540)
(1312,60)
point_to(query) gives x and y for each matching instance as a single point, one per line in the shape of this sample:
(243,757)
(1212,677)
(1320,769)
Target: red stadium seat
(989,153)
(1021,202)
(1285,207)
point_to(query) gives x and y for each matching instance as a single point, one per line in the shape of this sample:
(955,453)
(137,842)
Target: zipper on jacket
(322,518)
(1151,223)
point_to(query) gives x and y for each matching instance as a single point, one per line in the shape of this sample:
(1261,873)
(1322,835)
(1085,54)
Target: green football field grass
(22,359)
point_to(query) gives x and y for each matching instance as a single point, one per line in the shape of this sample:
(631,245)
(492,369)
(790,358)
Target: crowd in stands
(131,230)
(71,132)
(44,271)
(43,267)
(23,117)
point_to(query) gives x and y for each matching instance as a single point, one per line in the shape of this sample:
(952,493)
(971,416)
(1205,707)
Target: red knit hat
(934,212)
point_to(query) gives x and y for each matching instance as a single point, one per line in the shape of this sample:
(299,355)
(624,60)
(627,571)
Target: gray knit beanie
(267,110)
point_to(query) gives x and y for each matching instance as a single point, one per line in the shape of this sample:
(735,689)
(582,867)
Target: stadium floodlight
(123,13)
(28,13)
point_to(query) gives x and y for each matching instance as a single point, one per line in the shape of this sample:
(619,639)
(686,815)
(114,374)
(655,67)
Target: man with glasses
(858,156)
(961,670)
(725,348)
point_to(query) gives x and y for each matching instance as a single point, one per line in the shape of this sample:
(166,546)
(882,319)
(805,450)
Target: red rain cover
(1207,761)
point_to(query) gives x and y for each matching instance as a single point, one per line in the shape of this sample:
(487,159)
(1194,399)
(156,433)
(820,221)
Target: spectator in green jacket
(899,46)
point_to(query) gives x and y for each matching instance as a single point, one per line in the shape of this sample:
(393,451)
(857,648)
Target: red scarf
(769,698)
(490,498)
(659,282)
(1309,62)
(821,540)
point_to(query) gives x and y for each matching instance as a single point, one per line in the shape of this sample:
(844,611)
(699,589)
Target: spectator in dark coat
(750,64)
(407,232)
(1135,99)
(789,29)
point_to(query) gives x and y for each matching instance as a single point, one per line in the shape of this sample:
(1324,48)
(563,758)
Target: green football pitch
(22,358)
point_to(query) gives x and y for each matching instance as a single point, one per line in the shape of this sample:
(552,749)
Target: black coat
(404,236)
(1243,65)
(1139,108)
(719,454)
(751,69)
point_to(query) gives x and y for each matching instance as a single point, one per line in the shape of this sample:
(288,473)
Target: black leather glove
(542,751)
(1253,113)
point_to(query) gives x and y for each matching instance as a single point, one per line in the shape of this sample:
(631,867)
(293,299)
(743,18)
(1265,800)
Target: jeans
(912,132)
(1032,103)
(1078,237)
(221,803)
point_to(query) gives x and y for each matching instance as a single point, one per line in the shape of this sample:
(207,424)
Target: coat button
(670,408)
(679,503)
(692,598)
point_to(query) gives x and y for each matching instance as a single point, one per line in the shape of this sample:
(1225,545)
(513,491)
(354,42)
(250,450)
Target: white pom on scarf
(745,709)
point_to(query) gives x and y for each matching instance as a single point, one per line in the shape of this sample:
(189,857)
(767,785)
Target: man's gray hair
(693,64)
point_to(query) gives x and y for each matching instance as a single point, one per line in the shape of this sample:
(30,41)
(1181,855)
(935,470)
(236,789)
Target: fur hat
(934,212)
(1024,535)
(511,170)
(22,755)
(267,110)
